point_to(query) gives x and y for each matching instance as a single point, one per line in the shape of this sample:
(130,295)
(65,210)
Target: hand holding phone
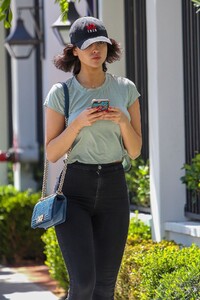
(101,104)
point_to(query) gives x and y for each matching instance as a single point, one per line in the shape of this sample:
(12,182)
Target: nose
(95,47)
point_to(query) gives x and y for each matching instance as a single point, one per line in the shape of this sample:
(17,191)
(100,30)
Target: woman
(93,238)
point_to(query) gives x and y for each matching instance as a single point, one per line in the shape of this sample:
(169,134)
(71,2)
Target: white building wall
(166,112)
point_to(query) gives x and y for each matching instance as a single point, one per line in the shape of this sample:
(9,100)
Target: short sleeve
(133,93)
(55,99)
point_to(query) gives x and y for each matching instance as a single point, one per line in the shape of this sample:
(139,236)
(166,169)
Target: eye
(101,43)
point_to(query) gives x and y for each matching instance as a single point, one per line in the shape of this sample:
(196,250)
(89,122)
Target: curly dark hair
(67,62)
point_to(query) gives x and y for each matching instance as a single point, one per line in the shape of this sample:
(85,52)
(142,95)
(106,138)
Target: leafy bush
(159,271)
(54,259)
(132,282)
(138,230)
(192,174)
(138,182)
(184,283)
(18,240)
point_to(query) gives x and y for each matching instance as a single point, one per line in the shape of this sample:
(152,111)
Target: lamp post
(61,28)
(18,38)
(19,42)
(26,85)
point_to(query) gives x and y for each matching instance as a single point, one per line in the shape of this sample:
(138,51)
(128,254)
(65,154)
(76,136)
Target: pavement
(16,285)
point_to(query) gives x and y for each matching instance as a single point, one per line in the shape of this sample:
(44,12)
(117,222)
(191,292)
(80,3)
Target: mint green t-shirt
(102,142)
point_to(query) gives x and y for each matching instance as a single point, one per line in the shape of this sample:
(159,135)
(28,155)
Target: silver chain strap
(46,169)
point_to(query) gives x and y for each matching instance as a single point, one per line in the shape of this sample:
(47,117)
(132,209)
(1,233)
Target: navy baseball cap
(86,31)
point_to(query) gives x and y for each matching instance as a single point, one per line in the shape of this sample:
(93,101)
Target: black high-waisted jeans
(93,238)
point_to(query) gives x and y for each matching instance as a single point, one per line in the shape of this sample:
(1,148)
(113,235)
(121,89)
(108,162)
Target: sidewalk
(17,286)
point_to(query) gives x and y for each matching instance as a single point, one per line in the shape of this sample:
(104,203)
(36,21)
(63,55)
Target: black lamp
(19,42)
(61,28)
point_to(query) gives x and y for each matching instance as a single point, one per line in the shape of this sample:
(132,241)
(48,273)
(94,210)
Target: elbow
(136,151)
(134,154)
(51,157)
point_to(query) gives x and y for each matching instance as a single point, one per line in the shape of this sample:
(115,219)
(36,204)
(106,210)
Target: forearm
(131,139)
(59,146)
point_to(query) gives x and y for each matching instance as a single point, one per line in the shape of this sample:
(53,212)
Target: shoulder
(125,87)
(55,97)
(125,84)
(122,81)
(57,88)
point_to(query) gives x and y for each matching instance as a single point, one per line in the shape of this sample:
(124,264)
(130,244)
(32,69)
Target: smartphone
(102,104)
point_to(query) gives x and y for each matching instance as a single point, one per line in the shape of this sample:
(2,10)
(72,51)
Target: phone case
(102,104)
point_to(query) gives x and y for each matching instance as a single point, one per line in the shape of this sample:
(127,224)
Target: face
(93,56)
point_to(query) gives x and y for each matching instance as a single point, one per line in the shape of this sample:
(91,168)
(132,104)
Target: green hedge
(19,241)
(138,182)
(138,230)
(159,271)
(54,259)
(184,283)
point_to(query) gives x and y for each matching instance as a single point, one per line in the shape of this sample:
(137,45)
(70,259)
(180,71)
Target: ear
(75,51)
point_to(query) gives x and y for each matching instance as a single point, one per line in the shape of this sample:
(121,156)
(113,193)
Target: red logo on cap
(91,27)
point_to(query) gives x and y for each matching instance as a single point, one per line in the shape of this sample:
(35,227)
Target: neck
(91,79)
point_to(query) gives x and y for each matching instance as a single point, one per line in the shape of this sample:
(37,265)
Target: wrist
(124,123)
(75,126)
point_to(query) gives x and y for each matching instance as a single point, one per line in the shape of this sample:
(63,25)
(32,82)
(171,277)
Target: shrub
(138,230)
(138,182)
(18,240)
(184,283)
(159,271)
(54,259)
(192,175)
(133,278)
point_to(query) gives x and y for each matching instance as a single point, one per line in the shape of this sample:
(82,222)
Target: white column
(166,112)
(24,106)
(3,105)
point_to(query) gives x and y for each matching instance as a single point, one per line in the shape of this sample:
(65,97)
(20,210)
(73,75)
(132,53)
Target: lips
(96,57)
